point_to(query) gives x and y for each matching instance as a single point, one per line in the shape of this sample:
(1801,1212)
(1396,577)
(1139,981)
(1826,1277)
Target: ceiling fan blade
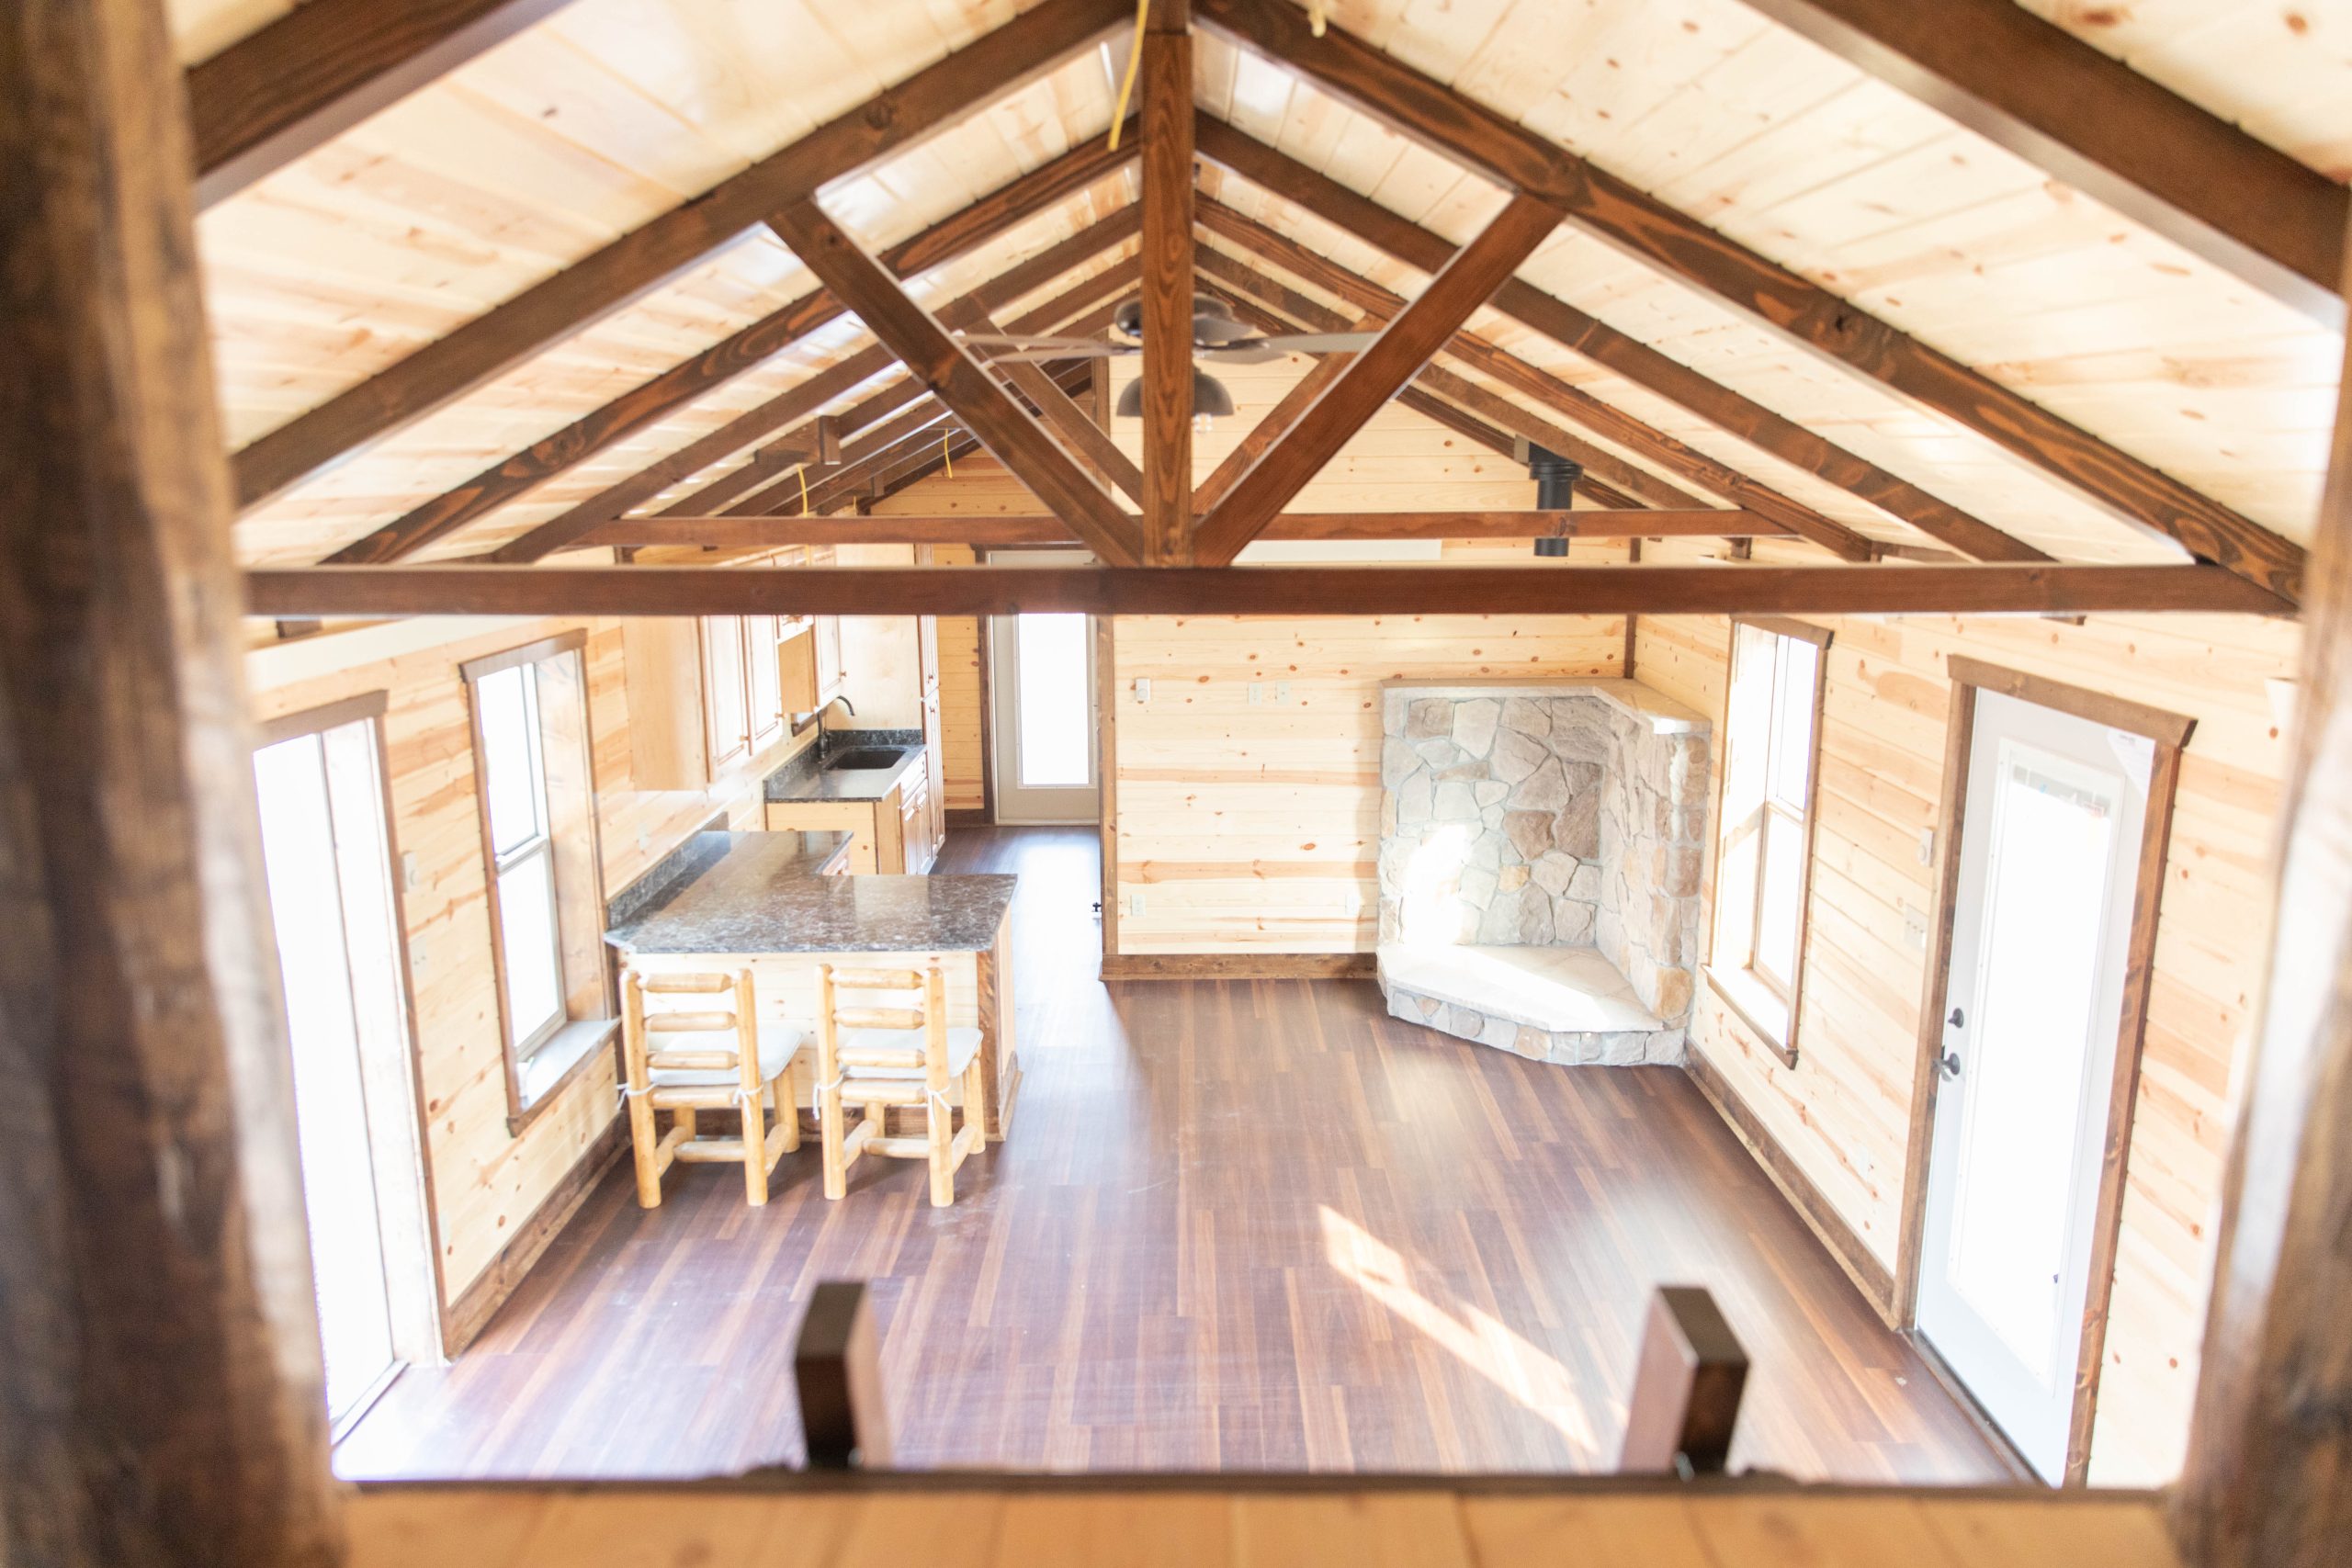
(1219,331)
(1321,342)
(1242,354)
(1082,350)
(1028,340)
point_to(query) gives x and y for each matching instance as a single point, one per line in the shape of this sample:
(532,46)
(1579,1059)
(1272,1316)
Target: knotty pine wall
(485,1185)
(1842,1114)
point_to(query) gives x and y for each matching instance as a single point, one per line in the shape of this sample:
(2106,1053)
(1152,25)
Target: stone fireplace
(1540,855)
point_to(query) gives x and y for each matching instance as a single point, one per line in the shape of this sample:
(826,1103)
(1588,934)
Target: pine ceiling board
(1718,119)
(1262,90)
(2280,69)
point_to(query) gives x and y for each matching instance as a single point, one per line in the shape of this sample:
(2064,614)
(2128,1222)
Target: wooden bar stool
(705,1075)
(876,1057)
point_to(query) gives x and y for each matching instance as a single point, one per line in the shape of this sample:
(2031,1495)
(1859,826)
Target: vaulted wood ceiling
(538,288)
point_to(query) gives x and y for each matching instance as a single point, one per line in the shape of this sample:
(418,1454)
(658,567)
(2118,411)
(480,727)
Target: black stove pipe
(1555,487)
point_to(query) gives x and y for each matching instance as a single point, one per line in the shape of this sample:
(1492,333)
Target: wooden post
(1686,1387)
(160,1383)
(2269,1478)
(837,1362)
(1167,89)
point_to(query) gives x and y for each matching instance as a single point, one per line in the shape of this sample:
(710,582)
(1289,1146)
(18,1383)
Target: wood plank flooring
(1237,1225)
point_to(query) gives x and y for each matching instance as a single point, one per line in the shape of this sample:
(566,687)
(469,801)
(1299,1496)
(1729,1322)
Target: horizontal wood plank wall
(963,760)
(486,1184)
(1842,1114)
(1254,827)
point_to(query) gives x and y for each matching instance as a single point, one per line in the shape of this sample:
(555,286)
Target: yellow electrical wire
(1135,65)
(804,489)
(947,453)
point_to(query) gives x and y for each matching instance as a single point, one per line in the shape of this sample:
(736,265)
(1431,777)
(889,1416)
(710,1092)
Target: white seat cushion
(963,1044)
(777,1043)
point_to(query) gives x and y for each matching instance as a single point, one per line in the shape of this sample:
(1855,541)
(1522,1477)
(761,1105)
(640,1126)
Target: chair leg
(976,1088)
(755,1153)
(832,1133)
(646,1141)
(787,1109)
(938,1122)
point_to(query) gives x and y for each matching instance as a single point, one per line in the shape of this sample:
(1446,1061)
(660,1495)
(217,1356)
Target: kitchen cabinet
(705,696)
(830,672)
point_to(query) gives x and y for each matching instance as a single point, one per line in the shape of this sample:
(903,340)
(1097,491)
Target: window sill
(554,1065)
(1764,1015)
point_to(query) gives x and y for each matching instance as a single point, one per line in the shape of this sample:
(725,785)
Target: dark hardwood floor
(1237,1225)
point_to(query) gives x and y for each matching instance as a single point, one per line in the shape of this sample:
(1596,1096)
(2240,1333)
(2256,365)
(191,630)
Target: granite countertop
(805,778)
(748,892)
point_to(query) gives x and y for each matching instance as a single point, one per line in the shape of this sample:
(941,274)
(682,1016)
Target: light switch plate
(1143,688)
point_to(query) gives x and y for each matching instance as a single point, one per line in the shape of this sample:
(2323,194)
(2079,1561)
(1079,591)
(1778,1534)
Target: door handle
(1958,1019)
(1950,1063)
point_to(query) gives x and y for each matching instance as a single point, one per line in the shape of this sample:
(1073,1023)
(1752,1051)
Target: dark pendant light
(1210,399)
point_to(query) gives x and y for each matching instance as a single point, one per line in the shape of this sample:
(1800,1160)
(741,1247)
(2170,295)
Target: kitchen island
(780,904)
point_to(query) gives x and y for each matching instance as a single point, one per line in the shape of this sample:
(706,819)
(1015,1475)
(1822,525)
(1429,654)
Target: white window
(1770,766)
(515,789)
(539,829)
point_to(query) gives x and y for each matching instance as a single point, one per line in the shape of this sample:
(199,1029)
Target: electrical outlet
(1257,692)
(1914,928)
(1143,688)
(1135,905)
(1282,691)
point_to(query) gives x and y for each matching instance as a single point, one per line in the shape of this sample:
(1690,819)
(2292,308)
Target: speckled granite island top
(759,893)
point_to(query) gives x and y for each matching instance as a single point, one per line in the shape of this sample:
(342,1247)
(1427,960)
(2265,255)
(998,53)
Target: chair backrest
(930,1015)
(643,1027)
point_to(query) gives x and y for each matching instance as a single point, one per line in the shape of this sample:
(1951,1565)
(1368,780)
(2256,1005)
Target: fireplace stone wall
(1547,813)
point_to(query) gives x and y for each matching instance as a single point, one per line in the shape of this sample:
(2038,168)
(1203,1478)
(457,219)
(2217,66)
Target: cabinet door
(914,824)
(766,680)
(830,673)
(726,705)
(935,766)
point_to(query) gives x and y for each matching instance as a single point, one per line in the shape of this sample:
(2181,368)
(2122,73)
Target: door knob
(1951,1064)
(1958,1019)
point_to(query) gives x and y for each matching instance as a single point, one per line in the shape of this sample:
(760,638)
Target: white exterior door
(2049,858)
(1042,676)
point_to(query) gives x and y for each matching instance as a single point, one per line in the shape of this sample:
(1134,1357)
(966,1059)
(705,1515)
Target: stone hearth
(1523,817)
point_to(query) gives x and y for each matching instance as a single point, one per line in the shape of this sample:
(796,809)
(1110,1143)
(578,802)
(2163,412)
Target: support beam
(1762,290)
(161,1400)
(1372,377)
(1167,87)
(942,363)
(330,591)
(1616,352)
(837,1371)
(989,68)
(960,528)
(2270,1445)
(1687,1381)
(2091,121)
(1573,403)
(297,84)
(666,393)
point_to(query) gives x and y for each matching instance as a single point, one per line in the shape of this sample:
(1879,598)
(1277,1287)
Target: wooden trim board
(1238,966)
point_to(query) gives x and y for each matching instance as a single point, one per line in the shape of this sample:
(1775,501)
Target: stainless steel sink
(861,758)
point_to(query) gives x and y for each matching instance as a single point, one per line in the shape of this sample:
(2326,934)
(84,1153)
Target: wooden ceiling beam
(2090,120)
(293,86)
(1089,441)
(1372,377)
(1986,588)
(943,364)
(1167,370)
(960,528)
(992,66)
(1679,245)
(1278,309)
(646,405)
(1614,351)
(1572,402)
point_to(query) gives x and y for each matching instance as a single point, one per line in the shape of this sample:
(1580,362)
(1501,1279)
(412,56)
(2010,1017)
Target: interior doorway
(328,855)
(1041,667)
(2059,816)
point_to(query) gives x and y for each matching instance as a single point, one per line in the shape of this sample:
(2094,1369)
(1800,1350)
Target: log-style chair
(709,1068)
(876,1057)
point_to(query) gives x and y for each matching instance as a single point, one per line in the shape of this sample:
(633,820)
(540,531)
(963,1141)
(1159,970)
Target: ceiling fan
(1217,336)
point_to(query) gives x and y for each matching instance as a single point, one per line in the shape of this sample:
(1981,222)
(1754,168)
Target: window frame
(1750,989)
(560,1047)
